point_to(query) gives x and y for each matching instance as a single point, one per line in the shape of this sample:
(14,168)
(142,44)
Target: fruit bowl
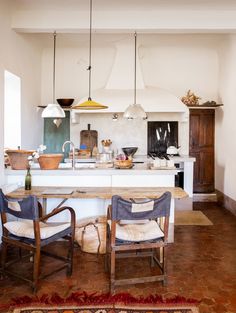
(123,163)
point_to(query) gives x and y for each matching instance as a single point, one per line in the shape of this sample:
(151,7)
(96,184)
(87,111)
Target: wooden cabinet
(201,146)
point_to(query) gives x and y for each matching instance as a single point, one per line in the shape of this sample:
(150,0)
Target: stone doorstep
(205,197)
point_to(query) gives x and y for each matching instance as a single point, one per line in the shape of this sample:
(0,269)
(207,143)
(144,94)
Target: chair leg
(152,258)
(112,271)
(71,256)
(4,256)
(106,265)
(164,265)
(36,269)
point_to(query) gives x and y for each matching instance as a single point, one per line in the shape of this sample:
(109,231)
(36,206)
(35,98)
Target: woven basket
(49,161)
(18,159)
(90,233)
(123,163)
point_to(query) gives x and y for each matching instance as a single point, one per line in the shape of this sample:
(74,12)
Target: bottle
(95,151)
(28,180)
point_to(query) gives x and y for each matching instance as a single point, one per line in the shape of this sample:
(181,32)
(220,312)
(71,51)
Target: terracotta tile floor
(202,265)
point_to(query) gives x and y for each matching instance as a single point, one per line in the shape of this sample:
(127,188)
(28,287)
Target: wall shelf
(205,106)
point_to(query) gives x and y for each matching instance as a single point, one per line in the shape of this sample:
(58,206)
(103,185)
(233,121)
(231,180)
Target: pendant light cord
(135,64)
(90,49)
(54,66)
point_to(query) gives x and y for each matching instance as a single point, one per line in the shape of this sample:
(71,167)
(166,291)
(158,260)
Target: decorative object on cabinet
(135,110)
(90,104)
(53,110)
(190,99)
(18,159)
(209,104)
(201,146)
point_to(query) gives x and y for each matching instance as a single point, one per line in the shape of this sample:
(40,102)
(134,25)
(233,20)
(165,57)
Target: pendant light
(135,110)
(90,104)
(53,110)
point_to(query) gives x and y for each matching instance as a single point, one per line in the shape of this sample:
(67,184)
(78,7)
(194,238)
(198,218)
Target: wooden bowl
(50,161)
(18,159)
(65,102)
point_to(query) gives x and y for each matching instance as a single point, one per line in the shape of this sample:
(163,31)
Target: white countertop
(137,169)
(88,167)
(142,158)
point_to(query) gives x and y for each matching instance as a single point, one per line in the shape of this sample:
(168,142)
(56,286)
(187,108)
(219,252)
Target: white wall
(21,55)
(173,62)
(225,169)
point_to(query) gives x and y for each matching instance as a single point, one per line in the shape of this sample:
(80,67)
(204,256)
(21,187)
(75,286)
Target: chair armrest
(109,212)
(59,210)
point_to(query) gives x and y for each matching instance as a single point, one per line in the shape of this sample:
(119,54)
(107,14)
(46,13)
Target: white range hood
(119,90)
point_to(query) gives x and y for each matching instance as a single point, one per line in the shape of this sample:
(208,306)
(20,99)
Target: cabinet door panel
(194,131)
(202,130)
(206,130)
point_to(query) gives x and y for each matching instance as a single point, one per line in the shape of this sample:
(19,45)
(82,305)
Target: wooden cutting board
(89,138)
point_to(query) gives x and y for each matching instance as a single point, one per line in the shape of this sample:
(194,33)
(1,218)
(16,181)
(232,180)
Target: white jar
(163,162)
(156,163)
(170,163)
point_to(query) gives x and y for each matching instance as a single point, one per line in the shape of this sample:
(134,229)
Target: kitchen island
(139,176)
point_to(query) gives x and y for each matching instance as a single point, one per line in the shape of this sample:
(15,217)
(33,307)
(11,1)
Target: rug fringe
(84,298)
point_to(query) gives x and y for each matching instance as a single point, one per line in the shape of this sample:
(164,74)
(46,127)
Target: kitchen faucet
(73,151)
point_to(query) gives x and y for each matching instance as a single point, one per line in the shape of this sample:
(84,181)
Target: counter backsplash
(124,133)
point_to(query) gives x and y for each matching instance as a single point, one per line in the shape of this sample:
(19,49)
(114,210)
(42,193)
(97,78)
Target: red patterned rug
(81,302)
(110,309)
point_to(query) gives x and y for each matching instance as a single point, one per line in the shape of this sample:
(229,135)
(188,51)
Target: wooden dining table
(104,193)
(97,192)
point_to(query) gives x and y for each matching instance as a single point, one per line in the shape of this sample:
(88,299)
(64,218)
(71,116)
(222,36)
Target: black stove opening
(161,135)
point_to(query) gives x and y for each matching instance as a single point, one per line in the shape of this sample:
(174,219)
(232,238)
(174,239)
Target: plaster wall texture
(124,133)
(21,56)
(170,62)
(225,166)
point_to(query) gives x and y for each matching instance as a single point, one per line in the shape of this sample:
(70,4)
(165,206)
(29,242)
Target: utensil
(151,155)
(158,135)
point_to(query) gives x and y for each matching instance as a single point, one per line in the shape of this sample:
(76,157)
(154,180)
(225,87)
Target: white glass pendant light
(53,110)
(135,110)
(89,104)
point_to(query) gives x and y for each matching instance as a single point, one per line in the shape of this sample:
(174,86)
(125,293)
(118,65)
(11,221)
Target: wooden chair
(28,231)
(142,230)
